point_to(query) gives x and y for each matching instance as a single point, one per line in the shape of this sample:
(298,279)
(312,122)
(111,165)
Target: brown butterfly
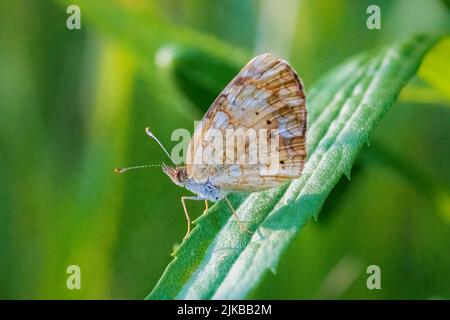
(266,96)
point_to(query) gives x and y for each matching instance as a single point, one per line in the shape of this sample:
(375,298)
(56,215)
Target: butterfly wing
(266,94)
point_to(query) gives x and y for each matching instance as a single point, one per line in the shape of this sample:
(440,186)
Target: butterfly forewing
(266,96)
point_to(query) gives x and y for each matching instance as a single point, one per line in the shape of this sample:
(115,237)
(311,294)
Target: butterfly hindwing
(266,94)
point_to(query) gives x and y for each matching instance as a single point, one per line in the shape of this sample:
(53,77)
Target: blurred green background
(74,103)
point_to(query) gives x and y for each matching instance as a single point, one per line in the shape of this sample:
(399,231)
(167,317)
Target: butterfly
(265,96)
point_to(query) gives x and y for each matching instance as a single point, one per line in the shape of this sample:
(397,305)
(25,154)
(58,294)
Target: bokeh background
(74,103)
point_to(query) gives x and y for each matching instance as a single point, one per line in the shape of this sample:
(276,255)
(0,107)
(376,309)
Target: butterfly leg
(241,225)
(206,206)
(187,214)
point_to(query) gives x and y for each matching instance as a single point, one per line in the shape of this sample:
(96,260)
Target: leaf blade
(345,108)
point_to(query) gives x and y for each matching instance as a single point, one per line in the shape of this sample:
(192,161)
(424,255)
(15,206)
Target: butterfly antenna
(151,135)
(122,170)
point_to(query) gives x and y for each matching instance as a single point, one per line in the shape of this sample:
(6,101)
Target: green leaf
(218,261)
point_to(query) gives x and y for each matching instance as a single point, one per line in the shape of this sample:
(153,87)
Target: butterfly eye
(181,176)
